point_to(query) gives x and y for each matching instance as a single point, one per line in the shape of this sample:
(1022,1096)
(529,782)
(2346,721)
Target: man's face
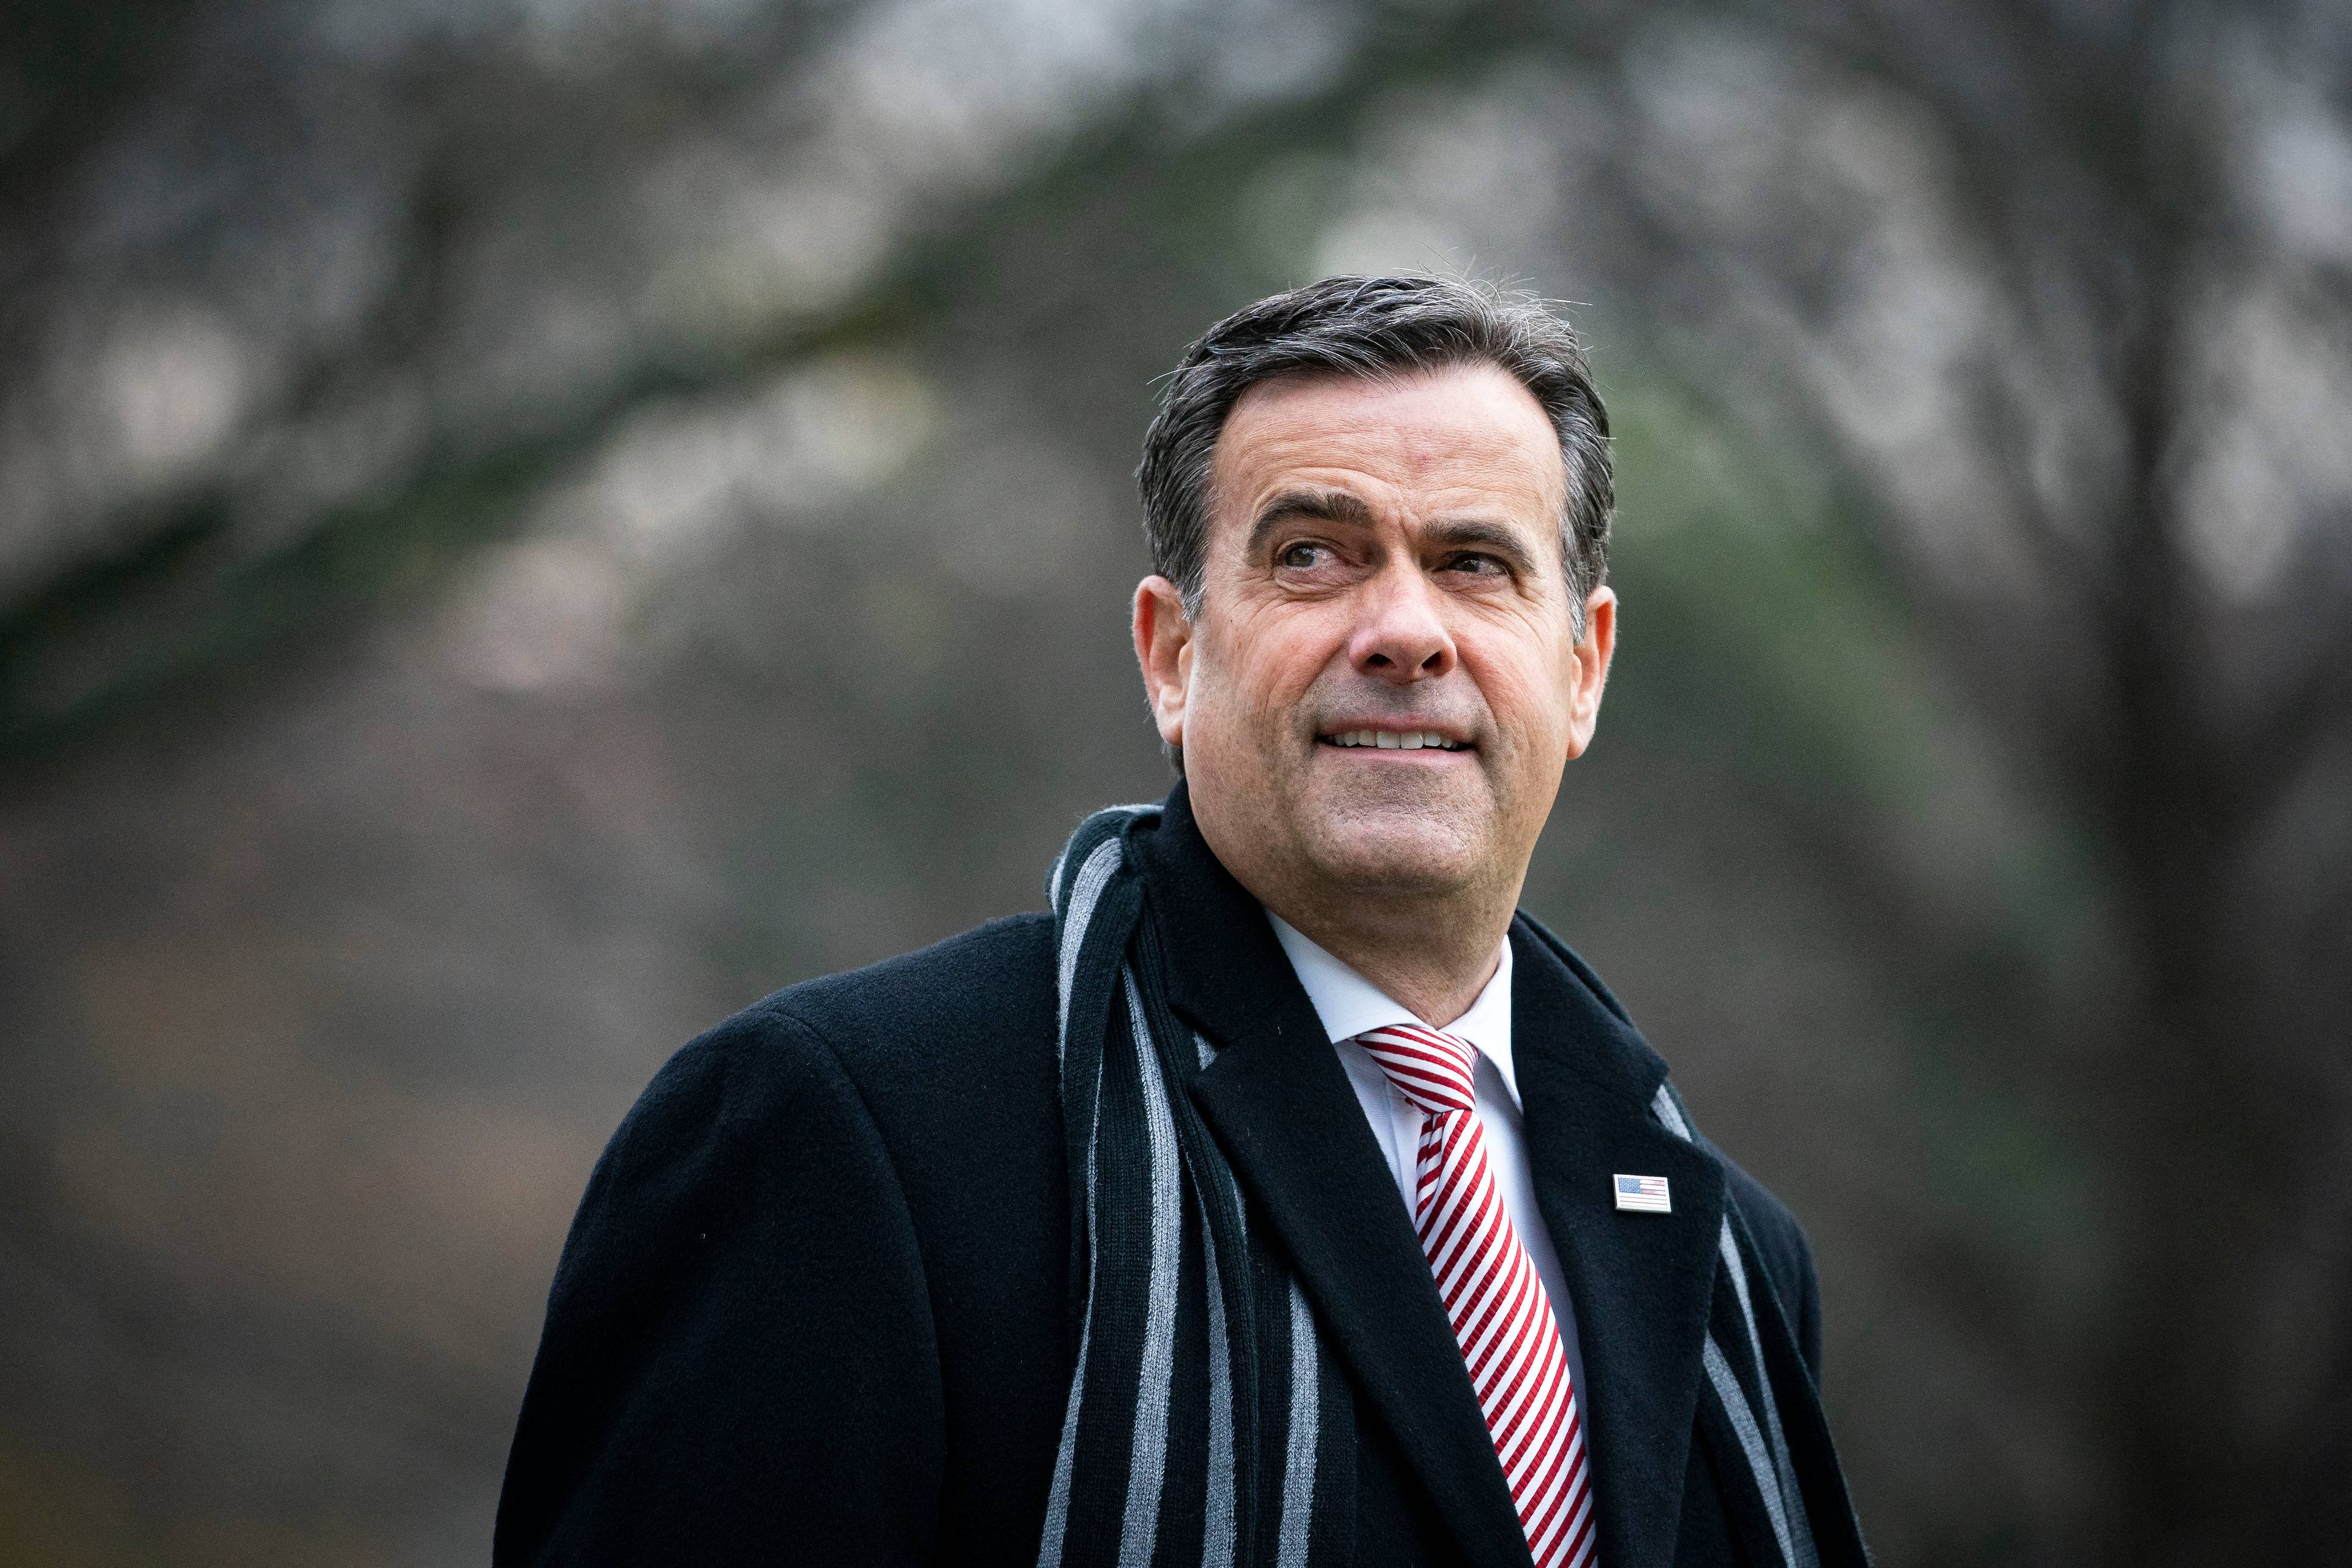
(1383,565)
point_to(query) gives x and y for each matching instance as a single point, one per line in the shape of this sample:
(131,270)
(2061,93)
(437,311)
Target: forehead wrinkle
(1284,445)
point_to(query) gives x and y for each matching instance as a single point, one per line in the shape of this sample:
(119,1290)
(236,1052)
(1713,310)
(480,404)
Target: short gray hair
(1374,326)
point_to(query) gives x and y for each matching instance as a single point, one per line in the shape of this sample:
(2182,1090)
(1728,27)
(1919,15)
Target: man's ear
(1163,647)
(1592,668)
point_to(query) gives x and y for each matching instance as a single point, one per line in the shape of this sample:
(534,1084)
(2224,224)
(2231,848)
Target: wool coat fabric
(815,1306)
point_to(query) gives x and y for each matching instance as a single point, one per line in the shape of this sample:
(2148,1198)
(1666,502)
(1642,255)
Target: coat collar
(1643,1283)
(1281,1108)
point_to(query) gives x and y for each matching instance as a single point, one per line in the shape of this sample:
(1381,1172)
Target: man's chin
(1396,852)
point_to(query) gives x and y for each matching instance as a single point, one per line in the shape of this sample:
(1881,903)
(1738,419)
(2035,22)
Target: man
(1283,1197)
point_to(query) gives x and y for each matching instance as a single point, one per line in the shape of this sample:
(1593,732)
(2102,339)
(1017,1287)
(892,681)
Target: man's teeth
(1397,741)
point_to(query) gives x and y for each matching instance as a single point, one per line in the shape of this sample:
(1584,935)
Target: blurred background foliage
(526,524)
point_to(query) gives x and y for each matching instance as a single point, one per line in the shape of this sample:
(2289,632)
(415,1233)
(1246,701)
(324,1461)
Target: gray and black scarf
(1208,1422)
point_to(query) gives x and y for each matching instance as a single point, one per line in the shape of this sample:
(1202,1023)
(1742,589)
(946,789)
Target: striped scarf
(1207,1422)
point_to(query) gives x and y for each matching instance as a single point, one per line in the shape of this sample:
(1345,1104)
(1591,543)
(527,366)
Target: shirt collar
(1348,1004)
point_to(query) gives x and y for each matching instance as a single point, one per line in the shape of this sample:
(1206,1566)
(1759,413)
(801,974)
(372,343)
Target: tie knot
(1429,1069)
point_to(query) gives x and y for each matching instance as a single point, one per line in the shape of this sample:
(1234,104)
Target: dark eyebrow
(1342,507)
(1493,538)
(1331,506)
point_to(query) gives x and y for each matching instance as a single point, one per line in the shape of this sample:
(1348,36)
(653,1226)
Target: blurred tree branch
(1999,259)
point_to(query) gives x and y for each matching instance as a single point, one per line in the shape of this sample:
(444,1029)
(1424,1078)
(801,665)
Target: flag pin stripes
(1644,1194)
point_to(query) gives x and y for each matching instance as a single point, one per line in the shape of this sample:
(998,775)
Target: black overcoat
(816,1307)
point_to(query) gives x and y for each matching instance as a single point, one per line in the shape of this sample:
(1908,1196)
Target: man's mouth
(1394,741)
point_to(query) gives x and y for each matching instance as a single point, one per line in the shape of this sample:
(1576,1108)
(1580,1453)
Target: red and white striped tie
(1502,1316)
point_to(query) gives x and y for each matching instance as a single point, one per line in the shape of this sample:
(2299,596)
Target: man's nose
(1400,637)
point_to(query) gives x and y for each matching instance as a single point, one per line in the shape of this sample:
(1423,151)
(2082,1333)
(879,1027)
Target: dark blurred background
(526,524)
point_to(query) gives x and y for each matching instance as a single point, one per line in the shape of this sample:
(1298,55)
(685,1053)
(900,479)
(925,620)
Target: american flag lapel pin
(1644,1194)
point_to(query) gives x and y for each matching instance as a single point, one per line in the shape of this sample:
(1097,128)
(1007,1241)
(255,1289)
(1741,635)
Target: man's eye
(1304,557)
(1477,565)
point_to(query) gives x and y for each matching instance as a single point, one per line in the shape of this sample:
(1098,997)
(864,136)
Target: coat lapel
(1282,1110)
(1642,1283)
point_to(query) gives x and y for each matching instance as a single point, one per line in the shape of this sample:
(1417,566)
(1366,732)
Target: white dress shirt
(1348,1004)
